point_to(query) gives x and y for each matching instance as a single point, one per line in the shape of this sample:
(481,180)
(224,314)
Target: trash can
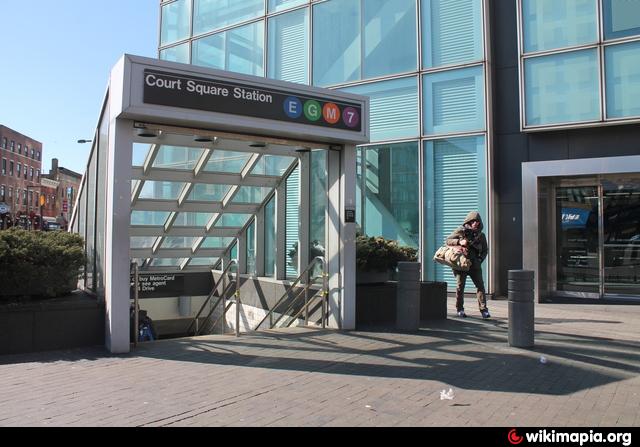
(408,296)
(521,309)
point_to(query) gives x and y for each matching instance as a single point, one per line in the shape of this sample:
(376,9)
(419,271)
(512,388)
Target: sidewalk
(303,377)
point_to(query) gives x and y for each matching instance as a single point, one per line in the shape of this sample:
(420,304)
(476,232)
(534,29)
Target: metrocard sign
(193,92)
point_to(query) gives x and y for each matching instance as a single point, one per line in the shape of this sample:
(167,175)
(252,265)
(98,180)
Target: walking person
(470,237)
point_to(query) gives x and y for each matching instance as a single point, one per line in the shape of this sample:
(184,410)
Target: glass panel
(166,262)
(217,242)
(210,15)
(178,242)
(233,220)
(251,194)
(176,157)
(550,24)
(270,237)
(209,193)
(289,47)
(452,32)
(292,218)
(454,101)
(175,21)
(161,190)
(251,248)
(621,236)
(562,88)
(227,161)
(392,185)
(390,37)
(179,53)
(234,251)
(622,74)
(103,151)
(336,42)
(185,219)
(272,165)
(621,18)
(318,203)
(578,262)
(203,261)
(139,153)
(157,218)
(142,241)
(455,184)
(394,108)
(279,5)
(239,50)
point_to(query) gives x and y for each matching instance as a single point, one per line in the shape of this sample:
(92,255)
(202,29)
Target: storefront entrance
(596,243)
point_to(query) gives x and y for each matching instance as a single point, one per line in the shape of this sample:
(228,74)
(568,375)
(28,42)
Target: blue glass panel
(178,242)
(272,165)
(179,53)
(217,242)
(251,248)
(161,190)
(203,261)
(139,153)
(454,101)
(232,220)
(212,193)
(622,74)
(177,157)
(455,183)
(394,108)
(251,194)
(390,37)
(209,51)
(621,18)
(166,262)
(280,5)
(270,237)
(336,42)
(318,203)
(227,161)
(149,217)
(392,188)
(189,219)
(289,47)
(292,218)
(176,19)
(550,24)
(452,32)
(142,241)
(210,15)
(562,88)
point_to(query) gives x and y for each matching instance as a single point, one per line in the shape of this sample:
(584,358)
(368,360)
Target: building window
(280,5)
(4,143)
(33,153)
(368,39)
(622,76)
(11,167)
(13,146)
(31,173)
(38,153)
(19,148)
(210,15)
(251,248)
(288,48)
(24,197)
(10,194)
(562,88)
(621,18)
(176,18)
(452,32)
(2,191)
(179,53)
(19,170)
(38,175)
(4,166)
(240,50)
(270,237)
(292,209)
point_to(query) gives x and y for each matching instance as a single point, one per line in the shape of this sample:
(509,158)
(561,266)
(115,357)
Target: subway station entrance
(230,198)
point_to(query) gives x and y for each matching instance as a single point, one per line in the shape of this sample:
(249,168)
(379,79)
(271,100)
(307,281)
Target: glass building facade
(422,63)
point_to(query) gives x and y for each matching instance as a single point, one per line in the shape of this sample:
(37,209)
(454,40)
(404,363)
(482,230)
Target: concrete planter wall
(62,323)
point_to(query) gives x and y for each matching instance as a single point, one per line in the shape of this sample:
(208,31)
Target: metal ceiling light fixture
(142,131)
(202,139)
(257,144)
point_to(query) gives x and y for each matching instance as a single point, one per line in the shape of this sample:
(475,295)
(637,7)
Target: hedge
(39,264)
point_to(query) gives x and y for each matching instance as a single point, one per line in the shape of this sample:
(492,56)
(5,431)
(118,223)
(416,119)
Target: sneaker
(461,314)
(485,314)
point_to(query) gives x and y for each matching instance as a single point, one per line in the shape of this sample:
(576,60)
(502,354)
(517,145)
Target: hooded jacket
(478,248)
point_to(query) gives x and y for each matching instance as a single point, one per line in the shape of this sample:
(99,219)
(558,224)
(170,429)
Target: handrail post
(325,293)
(237,293)
(306,297)
(136,307)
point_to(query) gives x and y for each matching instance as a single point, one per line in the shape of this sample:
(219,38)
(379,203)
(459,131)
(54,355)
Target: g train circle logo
(314,111)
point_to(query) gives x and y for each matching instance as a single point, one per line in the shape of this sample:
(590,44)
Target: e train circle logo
(313,111)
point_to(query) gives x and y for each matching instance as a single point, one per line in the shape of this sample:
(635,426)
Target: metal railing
(324,293)
(222,298)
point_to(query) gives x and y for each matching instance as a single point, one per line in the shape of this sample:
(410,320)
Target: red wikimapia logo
(514,438)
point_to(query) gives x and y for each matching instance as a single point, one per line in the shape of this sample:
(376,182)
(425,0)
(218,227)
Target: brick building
(60,198)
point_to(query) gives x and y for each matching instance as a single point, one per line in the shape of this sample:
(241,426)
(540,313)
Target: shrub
(380,254)
(39,263)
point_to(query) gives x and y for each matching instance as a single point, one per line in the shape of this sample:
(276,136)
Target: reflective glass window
(227,161)
(280,5)
(232,220)
(562,88)
(239,50)
(178,242)
(289,47)
(454,101)
(622,75)
(551,24)
(270,237)
(210,15)
(161,190)
(155,218)
(455,184)
(251,194)
(203,261)
(318,203)
(210,193)
(142,241)
(177,157)
(176,19)
(251,248)
(292,218)
(139,153)
(217,242)
(180,53)
(452,32)
(393,108)
(189,219)
(621,18)
(272,165)
(166,262)
(391,186)
(336,42)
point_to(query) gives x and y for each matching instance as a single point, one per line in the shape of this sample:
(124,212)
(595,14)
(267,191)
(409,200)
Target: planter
(373,277)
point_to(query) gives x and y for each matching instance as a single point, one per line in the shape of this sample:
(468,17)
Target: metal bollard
(521,309)
(408,296)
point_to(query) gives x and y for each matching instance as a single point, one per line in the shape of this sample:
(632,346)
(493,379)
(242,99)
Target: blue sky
(55,58)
